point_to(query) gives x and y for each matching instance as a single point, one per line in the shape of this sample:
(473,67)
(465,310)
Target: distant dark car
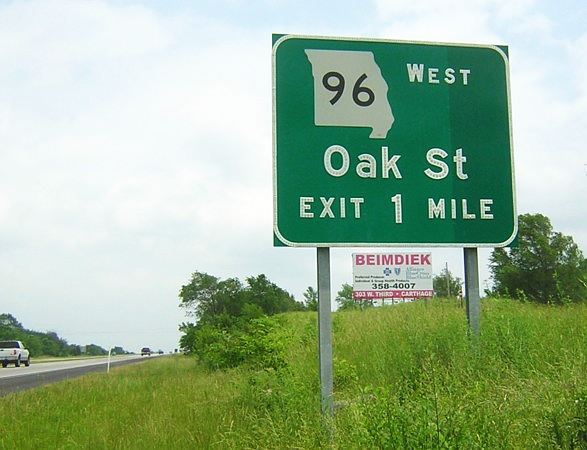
(145,351)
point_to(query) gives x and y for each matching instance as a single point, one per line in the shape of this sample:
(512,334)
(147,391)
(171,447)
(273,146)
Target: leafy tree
(224,310)
(95,350)
(311,296)
(75,350)
(187,341)
(221,302)
(446,284)
(344,298)
(117,350)
(9,321)
(210,299)
(270,297)
(545,267)
(251,311)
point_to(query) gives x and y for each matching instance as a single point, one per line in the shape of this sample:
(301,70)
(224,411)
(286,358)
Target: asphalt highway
(14,379)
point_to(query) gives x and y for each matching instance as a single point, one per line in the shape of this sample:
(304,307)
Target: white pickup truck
(13,352)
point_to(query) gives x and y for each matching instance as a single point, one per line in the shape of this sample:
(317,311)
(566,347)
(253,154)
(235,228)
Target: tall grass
(407,376)
(150,405)
(522,384)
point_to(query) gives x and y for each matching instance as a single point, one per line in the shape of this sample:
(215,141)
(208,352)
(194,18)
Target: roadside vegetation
(406,376)
(233,320)
(545,266)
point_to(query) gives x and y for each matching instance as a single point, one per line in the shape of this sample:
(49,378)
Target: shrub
(256,343)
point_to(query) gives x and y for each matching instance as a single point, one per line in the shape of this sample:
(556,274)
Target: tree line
(45,343)
(232,320)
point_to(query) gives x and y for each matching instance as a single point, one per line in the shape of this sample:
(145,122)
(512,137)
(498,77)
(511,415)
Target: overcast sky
(135,145)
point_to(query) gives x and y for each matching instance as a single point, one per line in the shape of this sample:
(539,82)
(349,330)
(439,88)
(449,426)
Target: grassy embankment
(406,377)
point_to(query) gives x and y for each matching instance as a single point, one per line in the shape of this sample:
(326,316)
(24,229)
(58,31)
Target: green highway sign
(390,143)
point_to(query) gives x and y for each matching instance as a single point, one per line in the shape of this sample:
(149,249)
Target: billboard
(392,275)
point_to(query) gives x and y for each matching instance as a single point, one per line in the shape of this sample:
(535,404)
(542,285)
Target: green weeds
(406,376)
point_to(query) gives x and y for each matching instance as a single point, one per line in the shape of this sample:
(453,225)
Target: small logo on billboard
(387,271)
(397,270)
(418,273)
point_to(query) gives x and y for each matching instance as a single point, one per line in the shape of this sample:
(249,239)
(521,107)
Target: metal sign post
(472,289)
(325,330)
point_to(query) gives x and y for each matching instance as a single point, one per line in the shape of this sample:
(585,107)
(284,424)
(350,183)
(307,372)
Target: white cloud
(467,21)
(143,140)
(390,9)
(550,119)
(136,148)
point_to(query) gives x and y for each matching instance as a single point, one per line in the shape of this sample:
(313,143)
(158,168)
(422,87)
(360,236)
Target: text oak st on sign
(387,143)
